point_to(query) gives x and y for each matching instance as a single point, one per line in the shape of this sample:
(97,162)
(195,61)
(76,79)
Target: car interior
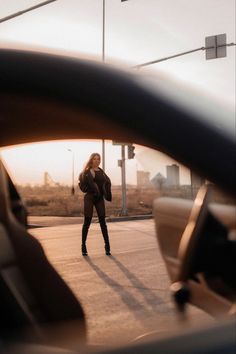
(46,97)
(196,276)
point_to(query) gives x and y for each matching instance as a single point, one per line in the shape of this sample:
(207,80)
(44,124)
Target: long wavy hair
(89,163)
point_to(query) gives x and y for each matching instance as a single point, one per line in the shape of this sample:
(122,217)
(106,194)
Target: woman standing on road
(96,185)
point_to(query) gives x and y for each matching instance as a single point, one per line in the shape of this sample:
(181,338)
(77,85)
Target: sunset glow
(28,163)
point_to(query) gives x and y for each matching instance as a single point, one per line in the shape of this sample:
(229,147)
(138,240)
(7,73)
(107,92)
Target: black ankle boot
(84,249)
(107,249)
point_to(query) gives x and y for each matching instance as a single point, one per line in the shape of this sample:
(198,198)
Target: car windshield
(133,32)
(160,35)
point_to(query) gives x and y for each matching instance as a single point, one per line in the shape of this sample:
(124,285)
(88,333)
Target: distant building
(172,175)
(158,180)
(48,181)
(196,180)
(143,178)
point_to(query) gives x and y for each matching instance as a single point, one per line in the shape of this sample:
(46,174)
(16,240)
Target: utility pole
(121,163)
(103,29)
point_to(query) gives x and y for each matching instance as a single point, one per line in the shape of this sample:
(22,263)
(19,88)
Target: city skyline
(27,163)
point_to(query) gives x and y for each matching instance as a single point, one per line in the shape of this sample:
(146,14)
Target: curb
(128,218)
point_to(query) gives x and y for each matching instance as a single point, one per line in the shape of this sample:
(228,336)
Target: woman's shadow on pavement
(153,302)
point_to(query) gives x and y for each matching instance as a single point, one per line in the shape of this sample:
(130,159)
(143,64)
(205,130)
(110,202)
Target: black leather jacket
(87,185)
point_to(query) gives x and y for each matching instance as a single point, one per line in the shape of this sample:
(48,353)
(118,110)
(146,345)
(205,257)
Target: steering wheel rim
(192,232)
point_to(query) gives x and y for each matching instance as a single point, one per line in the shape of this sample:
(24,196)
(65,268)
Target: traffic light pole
(206,48)
(123,182)
(121,163)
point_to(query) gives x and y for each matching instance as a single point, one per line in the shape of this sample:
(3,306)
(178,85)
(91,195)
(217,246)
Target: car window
(46,175)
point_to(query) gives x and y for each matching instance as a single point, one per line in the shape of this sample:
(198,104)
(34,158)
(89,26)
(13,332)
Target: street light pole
(73,172)
(103,30)
(103,59)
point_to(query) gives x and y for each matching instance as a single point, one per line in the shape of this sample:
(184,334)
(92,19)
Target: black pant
(89,203)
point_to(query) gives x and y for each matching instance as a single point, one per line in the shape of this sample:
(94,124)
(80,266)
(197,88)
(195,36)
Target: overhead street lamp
(103,59)
(73,172)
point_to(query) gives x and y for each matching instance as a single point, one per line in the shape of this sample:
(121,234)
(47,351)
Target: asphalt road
(125,295)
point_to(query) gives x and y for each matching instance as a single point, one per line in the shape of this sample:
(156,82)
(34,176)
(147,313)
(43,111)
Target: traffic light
(216,46)
(131,153)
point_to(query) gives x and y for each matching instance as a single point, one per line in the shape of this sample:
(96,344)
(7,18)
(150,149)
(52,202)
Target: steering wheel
(189,246)
(193,233)
(204,242)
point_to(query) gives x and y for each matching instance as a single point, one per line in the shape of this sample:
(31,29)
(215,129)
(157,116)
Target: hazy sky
(136,31)
(27,163)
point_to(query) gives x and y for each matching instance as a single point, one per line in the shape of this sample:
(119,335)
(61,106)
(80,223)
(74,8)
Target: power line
(26,10)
